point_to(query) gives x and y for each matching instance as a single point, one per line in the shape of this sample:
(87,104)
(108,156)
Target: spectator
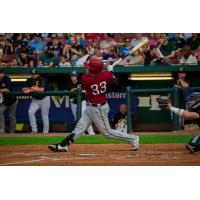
(136,59)
(49,59)
(63,62)
(57,45)
(188,58)
(177,41)
(152,57)
(166,47)
(127,47)
(80,62)
(194,41)
(110,54)
(8,51)
(138,39)
(155,39)
(120,120)
(37,44)
(197,54)
(107,43)
(25,60)
(73,50)
(183,83)
(8,103)
(37,84)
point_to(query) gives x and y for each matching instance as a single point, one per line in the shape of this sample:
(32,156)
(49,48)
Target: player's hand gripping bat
(138,46)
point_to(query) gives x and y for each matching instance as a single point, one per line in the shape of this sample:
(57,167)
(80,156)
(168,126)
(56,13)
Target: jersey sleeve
(110,77)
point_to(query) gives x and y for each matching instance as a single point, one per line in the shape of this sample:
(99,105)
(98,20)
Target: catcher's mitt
(163,102)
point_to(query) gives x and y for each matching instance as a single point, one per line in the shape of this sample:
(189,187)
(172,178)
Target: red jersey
(96,86)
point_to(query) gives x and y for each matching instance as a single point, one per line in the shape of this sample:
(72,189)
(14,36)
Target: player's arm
(37,88)
(112,79)
(7,88)
(26,89)
(183,113)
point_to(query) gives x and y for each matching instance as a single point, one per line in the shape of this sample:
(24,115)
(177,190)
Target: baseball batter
(36,84)
(95,83)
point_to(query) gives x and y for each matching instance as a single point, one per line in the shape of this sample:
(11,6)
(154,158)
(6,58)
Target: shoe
(190,148)
(33,132)
(135,143)
(58,148)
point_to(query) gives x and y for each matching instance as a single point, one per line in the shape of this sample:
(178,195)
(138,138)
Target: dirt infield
(98,154)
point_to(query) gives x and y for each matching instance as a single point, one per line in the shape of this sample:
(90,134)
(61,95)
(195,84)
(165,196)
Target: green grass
(98,139)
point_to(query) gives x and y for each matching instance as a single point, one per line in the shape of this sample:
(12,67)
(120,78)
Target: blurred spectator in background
(155,39)
(37,44)
(57,45)
(24,46)
(166,47)
(126,48)
(63,62)
(194,41)
(49,59)
(136,59)
(138,38)
(182,82)
(185,36)
(120,120)
(8,51)
(177,41)
(152,57)
(197,54)
(108,42)
(24,59)
(188,57)
(8,57)
(73,50)
(8,103)
(80,62)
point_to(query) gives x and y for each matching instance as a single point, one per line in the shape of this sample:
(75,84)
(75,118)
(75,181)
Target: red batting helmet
(94,65)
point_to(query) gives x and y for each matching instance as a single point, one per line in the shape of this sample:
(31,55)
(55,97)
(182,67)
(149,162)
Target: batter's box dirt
(98,154)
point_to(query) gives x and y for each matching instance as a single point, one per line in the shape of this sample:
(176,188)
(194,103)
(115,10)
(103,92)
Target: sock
(177,111)
(69,139)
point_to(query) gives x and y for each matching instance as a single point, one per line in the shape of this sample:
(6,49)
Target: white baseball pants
(99,116)
(44,105)
(74,110)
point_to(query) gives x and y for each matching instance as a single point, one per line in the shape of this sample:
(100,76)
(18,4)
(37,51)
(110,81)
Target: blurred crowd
(65,50)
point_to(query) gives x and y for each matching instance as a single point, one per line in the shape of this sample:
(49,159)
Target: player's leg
(74,109)
(45,105)
(90,128)
(100,118)
(33,108)
(12,116)
(2,120)
(80,128)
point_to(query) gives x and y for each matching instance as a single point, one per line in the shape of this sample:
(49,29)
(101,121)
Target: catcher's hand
(163,102)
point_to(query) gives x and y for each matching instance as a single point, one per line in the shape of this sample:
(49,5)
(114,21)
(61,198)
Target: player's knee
(31,112)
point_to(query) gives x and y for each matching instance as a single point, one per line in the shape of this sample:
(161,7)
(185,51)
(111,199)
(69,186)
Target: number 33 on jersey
(96,86)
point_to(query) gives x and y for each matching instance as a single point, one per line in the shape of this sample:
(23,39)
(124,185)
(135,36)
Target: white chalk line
(41,158)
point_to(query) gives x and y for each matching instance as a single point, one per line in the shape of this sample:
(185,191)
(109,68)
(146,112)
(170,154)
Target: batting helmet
(94,65)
